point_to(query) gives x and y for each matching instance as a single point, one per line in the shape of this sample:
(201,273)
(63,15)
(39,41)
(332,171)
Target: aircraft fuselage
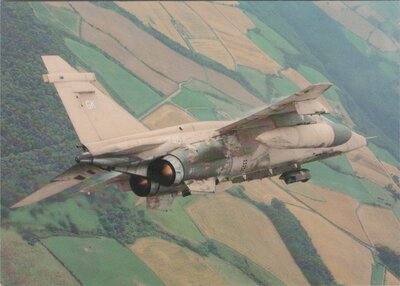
(199,153)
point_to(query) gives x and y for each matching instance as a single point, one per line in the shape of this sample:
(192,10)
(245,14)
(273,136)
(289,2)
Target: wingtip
(321,84)
(24,202)
(18,205)
(325,86)
(325,83)
(318,88)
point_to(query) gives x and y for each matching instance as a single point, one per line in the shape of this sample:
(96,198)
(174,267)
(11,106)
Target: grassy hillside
(23,92)
(64,19)
(101,261)
(28,105)
(24,264)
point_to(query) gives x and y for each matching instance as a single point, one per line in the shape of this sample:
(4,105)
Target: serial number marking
(175,140)
(90,104)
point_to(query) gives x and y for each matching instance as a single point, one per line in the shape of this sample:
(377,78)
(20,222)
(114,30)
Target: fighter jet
(200,157)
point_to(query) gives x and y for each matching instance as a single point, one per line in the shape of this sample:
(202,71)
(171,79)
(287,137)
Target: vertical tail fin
(94,115)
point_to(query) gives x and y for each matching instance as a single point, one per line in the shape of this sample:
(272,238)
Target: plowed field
(112,47)
(153,14)
(159,57)
(245,229)
(365,164)
(357,24)
(381,226)
(265,190)
(174,264)
(165,116)
(349,262)
(338,208)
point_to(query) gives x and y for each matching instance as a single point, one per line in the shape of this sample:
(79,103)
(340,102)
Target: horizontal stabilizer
(66,77)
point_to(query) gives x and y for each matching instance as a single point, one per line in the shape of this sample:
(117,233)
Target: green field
(270,86)
(244,264)
(383,155)
(391,56)
(311,74)
(267,47)
(227,111)
(233,275)
(378,273)
(101,261)
(359,43)
(78,211)
(396,209)
(200,86)
(204,105)
(177,221)
(191,98)
(379,195)
(203,114)
(282,85)
(272,36)
(222,102)
(23,264)
(133,93)
(339,163)
(391,70)
(256,79)
(325,177)
(314,76)
(390,12)
(60,17)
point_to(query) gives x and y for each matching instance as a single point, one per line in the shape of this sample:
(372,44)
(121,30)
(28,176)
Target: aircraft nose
(357,141)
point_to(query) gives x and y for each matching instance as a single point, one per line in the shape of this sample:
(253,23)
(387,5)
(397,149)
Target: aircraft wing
(303,102)
(80,177)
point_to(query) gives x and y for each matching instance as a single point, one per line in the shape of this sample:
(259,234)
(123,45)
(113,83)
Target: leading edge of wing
(309,93)
(80,175)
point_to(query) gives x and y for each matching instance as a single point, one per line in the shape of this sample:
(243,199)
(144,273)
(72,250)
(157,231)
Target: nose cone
(356,141)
